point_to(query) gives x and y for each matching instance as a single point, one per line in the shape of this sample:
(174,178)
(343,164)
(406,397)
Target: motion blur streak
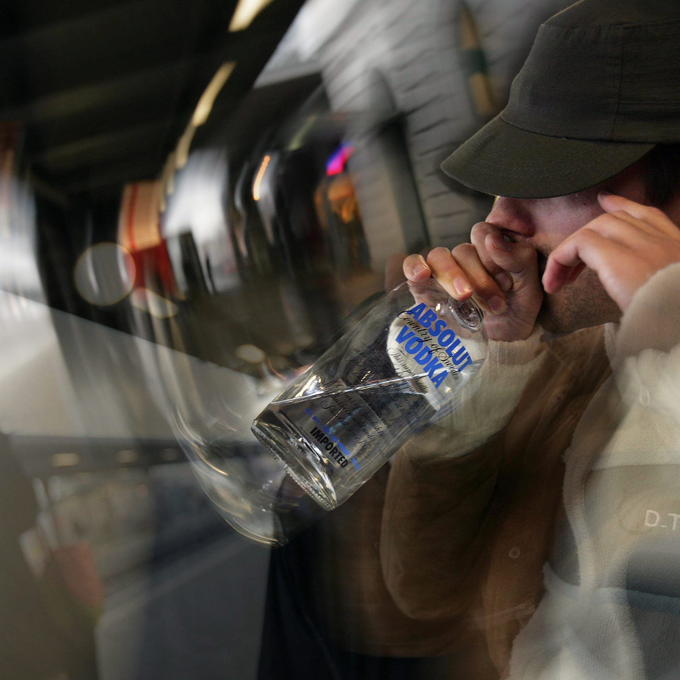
(205,103)
(245,12)
(196,199)
(259,177)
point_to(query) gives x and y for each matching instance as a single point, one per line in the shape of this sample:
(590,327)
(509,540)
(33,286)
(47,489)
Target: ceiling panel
(106,88)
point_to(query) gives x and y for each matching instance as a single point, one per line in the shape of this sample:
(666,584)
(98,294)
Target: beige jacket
(444,553)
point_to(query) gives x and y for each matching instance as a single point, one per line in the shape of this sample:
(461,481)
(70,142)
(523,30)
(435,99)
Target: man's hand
(625,246)
(501,275)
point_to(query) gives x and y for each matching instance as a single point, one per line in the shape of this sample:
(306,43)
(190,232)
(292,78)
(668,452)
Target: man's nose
(512,215)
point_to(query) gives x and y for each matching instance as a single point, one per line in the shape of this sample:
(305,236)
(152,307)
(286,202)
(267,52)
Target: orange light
(260,177)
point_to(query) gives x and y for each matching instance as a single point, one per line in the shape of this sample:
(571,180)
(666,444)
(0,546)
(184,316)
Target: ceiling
(105,88)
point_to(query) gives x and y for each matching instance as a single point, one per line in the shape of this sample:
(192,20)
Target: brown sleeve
(436,524)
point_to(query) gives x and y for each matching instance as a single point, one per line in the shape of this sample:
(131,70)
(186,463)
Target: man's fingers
(486,291)
(646,214)
(487,268)
(478,236)
(624,229)
(416,268)
(585,248)
(519,260)
(448,273)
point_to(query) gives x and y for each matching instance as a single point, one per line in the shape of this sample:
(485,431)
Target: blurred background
(195,199)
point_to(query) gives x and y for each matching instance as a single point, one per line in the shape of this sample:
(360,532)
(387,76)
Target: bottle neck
(468,314)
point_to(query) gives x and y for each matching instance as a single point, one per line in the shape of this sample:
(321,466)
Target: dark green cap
(600,88)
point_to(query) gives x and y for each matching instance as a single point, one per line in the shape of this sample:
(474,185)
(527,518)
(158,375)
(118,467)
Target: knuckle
(464,250)
(481,225)
(479,231)
(437,254)
(486,288)
(441,261)
(587,234)
(607,220)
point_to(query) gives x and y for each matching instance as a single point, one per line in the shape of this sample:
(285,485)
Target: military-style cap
(600,88)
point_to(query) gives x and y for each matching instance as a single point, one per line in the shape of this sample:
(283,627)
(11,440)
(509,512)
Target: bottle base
(301,458)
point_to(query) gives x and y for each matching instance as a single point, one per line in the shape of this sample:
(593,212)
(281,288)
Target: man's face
(544,223)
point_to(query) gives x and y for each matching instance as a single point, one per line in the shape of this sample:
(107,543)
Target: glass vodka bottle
(386,378)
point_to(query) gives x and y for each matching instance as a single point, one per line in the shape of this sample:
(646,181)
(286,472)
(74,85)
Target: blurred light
(139,221)
(153,303)
(245,12)
(251,354)
(168,178)
(299,137)
(65,459)
(184,146)
(336,163)
(104,274)
(303,339)
(205,103)
(127,456)
(260,177)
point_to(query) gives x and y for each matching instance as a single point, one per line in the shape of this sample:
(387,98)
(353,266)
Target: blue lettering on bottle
(439,325)
(318,435)
(447,339)
(427,318)
(413,345)
(465,361)
(451,348)
(417,311)
(430,369)
(423,356)
(404,334)
(456,356)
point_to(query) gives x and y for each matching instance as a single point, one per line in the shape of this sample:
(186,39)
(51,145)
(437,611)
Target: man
(544,512)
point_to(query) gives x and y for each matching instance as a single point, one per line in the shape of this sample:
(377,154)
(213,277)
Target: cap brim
(504,160)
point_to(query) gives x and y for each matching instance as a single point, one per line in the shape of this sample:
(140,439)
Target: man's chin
(558,319)
(554,324)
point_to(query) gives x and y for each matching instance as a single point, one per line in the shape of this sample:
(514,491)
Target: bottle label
(420,343)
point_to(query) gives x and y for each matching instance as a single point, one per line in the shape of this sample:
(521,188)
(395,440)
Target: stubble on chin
(582,304)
